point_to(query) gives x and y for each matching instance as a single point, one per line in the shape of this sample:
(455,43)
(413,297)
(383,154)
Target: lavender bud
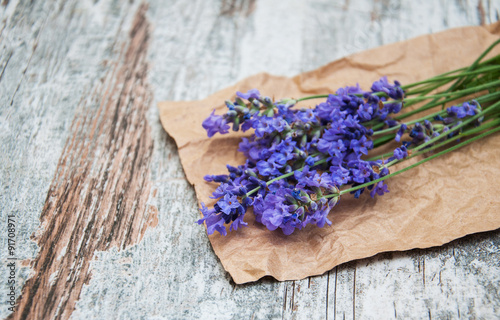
(241,109)
(314,206)
(231,114)
(236,124)
(240,102)
(267,102)
(242,191)
(276,140)
(269,112)
(333,202)
(300,211)
(250,173)
(233,169)
(303,141)
(247,201)
(316,134)
(296,193)
(229,104)
(305,199)
(290,199)
(428,125)
(297,133)
(438,118)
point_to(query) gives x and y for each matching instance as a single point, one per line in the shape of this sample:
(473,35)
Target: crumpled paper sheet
(439,201)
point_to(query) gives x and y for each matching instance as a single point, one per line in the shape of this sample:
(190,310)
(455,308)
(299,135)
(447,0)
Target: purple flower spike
(251,94)
(320,216)
(361,146)
(297,160)
(380,188)
(391,123)
(470,108)
(238,223)
(310,161)
(228,203)
(400,153)
(354,90)
(401,131)
(214,124)
(214,221)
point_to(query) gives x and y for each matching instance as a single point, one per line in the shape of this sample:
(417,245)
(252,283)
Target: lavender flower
(251,94)
(215,124)
(298,160)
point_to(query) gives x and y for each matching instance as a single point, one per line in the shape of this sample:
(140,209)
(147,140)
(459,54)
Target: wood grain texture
(98,198)
(62,65)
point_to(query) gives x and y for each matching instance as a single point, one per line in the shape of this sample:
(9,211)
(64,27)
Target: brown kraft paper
(432,204)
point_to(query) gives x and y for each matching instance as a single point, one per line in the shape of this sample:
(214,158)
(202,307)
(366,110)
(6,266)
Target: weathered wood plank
(55,53)
(99,196)
(40,88)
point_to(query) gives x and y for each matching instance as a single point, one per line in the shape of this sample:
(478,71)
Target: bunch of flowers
(299,161)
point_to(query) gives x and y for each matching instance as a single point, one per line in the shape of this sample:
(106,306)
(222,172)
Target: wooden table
(104,217)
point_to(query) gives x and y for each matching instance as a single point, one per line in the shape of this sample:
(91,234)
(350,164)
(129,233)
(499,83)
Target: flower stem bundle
(300,162)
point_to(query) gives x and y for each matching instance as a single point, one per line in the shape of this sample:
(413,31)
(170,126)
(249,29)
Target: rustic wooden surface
(104,216)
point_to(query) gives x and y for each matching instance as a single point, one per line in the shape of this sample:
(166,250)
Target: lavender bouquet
(301,161)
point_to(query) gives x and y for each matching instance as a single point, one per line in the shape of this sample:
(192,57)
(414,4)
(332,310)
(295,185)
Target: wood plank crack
(35,45)
(327,292)
(335,294)
(5,66)
(354,294)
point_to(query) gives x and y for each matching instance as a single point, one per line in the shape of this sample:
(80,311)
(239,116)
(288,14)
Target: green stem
(430,116)
(481,128)
(319,96)
(448,94)
(441,78)
(463,80)
(480,114)
(428,106)
(414,165)
(448,141)
(428,88)
(469,132)
(382,140)
(483,99)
